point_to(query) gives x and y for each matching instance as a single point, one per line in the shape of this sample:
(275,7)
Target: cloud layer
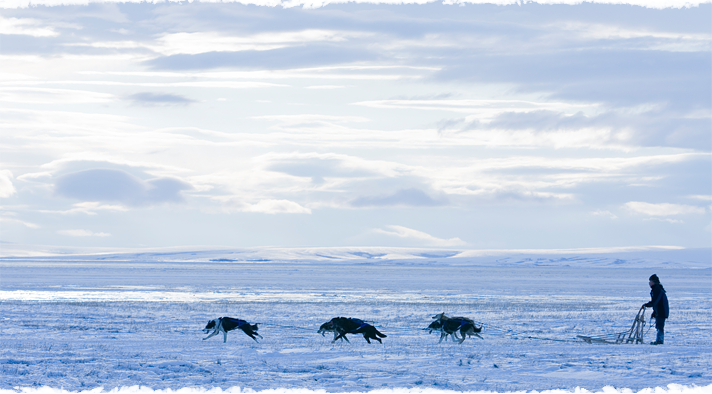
(657,4)
(493,125)
(108,185)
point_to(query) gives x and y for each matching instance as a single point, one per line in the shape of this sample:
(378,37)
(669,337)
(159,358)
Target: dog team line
(341,326)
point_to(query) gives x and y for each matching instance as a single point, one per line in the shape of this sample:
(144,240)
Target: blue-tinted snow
(80,322)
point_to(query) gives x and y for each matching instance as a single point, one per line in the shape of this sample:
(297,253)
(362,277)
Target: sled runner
(634,335)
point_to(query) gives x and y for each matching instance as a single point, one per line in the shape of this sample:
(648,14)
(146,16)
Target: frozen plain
(82,321)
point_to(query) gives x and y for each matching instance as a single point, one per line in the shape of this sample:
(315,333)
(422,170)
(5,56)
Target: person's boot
(660,339)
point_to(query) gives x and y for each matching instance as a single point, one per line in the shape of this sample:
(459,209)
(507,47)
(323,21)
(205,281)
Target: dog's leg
(464,335)
(224,336)
(212,334)
(252,335)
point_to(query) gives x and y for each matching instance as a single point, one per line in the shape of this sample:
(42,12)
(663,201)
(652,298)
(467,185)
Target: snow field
(89,325)
(83,345)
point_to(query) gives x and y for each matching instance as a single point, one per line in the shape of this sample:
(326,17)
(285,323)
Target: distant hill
(622,257)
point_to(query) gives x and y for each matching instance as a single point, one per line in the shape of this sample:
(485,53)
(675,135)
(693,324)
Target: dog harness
(361,323)
(462,323)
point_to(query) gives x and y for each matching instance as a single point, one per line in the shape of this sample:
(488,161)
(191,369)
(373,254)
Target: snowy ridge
(624,257)
(670,389)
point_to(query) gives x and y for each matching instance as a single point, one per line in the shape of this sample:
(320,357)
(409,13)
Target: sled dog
(341,326)
(225,324)
(451,325)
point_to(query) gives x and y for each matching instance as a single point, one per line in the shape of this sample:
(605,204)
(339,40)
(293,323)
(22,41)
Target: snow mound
(622,257)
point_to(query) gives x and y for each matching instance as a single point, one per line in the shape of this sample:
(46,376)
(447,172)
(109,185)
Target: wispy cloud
(89,208)
(647,38)
(701,197)
(481,108)
(32,95)
(663,209)
(7,189)
(606,214)
(400,198)
(14,221)
(268,206)
(26,26)
(203,42)
(82,233)
(326,87)
(149,98)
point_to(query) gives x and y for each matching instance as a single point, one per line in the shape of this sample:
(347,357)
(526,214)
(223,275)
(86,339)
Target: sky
(456,124)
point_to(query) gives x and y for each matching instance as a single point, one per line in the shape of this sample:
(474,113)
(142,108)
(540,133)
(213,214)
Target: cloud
(223,84)
(484,109)
(419,236)
(326,87)
(89,208)
(29,95)
(701,197)
(321,166)
(277,59)
(606,214)
(403,198)
(277,206)
(341,72)
(663,209)
(268,206)
(646,38)
(82,233)
(149,98)
(7,189)
(26,26)
(614,76)
(659,4)
(11,220)
(511,193)
(108,185)
(204,42)
(610,129)
(312,121)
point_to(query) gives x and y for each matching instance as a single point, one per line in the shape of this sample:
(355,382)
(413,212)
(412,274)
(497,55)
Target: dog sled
(634,335)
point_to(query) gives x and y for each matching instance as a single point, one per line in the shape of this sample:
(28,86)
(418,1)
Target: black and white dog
(225,324)
(451,325)
(341,326)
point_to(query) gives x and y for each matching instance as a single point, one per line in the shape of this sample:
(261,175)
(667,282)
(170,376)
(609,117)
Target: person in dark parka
(661,310)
